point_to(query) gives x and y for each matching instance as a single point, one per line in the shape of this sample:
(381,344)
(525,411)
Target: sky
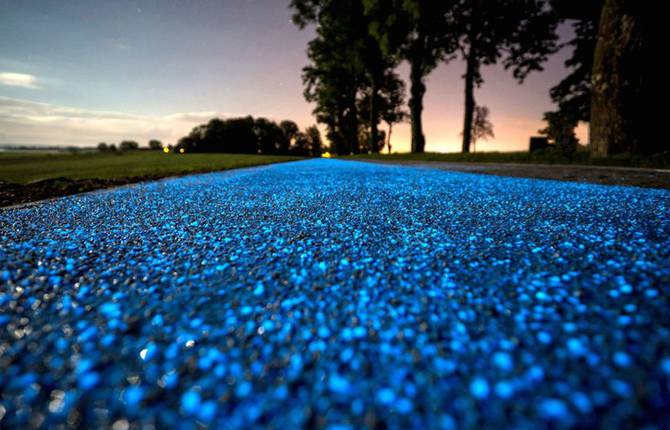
(80,72)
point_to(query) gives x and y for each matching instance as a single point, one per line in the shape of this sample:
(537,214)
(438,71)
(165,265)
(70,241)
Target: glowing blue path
(341,295)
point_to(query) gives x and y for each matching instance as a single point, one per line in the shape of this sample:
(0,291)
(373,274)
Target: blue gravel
(339,295)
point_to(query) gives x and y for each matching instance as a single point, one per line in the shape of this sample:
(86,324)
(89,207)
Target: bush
(129,145)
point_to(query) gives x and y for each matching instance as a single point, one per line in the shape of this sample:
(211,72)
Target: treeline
(250,135)
(129,145)
(359,44)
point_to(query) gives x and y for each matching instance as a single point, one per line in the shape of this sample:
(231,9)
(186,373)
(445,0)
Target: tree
(416,31)
(334,75)
(315,142)
(482,128)
(234,135)
(301,144)
(155,145)
(620,82)
(561,131)
(240,136)
(102,147)
(270,136)
(129,145)
(521,33)
(392,101)
(289,131)
(572,95)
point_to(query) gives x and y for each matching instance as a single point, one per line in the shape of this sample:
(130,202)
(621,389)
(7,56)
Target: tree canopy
(245,135)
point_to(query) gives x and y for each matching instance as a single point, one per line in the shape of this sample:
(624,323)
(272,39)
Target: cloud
(28,122)
(19,80)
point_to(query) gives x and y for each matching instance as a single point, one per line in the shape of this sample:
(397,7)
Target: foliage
(244,135)
(129,145)
(348,73)
(572,95)
(519,33)
(315,141)
(416,31)
(270,137)
(155,145)
(560,130)
(482,128)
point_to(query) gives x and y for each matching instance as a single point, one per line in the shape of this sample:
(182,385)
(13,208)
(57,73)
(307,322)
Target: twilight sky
(82,71)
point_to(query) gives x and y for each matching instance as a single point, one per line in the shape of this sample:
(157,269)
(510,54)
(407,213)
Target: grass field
(27,167)
(659,161)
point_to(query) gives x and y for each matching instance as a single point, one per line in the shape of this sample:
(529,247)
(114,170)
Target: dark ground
(606,175)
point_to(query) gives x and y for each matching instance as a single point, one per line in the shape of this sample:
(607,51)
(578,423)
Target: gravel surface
(340,295)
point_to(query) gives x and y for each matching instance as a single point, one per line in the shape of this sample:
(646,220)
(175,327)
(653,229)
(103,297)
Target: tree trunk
(619,86)
(469,99)
(417,90)
(374,118)
(388,141)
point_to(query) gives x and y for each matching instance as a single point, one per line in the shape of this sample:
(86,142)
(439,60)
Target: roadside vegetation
(30,176)
(358,46)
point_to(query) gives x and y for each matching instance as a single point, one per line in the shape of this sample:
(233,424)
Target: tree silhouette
(155,145)
(269,135)
(620,81)
(520,33)
(482,128)
(572,95)
(391,105)
(289,131)
(415,31)
(129,145)
(315,142)
(348,72)
(560,130)
(334,75)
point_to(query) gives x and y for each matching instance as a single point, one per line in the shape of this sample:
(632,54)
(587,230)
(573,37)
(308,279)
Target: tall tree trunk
(374,118)
(619,86)
(417,90)
(471,63)
(388,140)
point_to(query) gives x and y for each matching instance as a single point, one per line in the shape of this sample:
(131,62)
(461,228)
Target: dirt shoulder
(14,194)
(632,176)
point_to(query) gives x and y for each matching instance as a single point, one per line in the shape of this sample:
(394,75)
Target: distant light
(326,155)
(166,149)
(181,150)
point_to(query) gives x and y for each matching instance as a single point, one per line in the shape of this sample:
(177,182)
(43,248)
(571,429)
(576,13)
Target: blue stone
(133,395)
(88,380)
(504,389)
(338,384)
(385,396)
(479,388)
(190,402)
(553,409)
(503,361)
